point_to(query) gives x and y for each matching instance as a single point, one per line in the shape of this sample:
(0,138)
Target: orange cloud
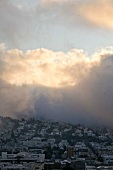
(99,13)
(45,67)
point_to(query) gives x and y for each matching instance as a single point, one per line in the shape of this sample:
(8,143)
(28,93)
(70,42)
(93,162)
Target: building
(79,165)
(70,151)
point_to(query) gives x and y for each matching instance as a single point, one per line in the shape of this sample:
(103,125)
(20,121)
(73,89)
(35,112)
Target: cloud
(45,67)
(71,86)
(96,13)
(68,86)
(19,24)
(26,27)
(53,1)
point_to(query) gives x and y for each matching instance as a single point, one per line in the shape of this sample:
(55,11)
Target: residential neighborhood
(42,144)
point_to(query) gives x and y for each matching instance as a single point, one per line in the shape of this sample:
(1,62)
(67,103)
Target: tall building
(70,151)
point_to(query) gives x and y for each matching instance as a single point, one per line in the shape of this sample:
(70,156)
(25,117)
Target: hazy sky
(58,25)
(56,59)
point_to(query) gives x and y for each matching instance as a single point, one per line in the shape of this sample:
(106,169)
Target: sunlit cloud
(45,67)
(98,13)
(55,85)
(70,86)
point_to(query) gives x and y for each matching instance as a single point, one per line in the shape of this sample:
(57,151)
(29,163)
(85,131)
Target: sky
(56,60)
(64,24)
